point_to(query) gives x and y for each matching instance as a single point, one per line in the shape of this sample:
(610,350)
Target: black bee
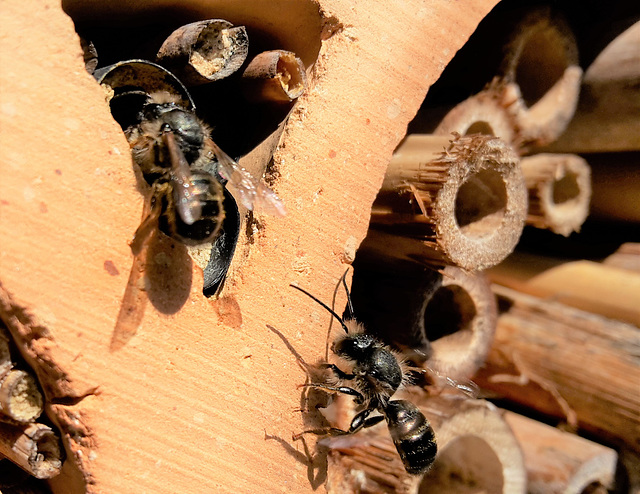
(376,373)
(186,171)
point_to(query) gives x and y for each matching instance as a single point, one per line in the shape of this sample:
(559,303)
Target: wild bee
(376,373)
(186,171)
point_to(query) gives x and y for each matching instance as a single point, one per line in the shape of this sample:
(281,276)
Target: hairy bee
(376,373)
(186,171)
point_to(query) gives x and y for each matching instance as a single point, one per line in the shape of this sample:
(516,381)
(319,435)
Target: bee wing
(252,191)
(465,386)
(187,204)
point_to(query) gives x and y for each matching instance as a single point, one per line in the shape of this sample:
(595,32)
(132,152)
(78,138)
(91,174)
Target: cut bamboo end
(559,191)
(473,440)
(472,199)
(607,116)
(275,76)
(459,320)
(35,448)
(445,320)
(477,449)
(204,51)
(542,77)
(559,462)
(482,113)
(20,397)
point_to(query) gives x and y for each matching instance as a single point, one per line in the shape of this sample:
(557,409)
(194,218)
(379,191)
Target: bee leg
(360,421)
(339,389)
(338,372)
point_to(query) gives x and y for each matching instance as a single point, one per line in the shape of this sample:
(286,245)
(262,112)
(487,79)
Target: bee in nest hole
(186,171)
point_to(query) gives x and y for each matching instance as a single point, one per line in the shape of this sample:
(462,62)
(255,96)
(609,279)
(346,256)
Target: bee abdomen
(412,435)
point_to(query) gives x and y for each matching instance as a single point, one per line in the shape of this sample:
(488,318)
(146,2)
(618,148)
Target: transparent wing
(252,192)
(465,386)
(187,204)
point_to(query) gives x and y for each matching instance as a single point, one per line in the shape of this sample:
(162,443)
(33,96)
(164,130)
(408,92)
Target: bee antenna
(352,314)
(331,311)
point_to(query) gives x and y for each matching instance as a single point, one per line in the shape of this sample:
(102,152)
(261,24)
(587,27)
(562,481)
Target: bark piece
(560,462)
(559,188)
(470,195)
(204,51)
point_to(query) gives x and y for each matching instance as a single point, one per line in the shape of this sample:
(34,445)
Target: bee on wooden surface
(376,373)
(188,174)
(186,171)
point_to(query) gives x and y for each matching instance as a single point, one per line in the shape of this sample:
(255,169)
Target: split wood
(560,462)
(567,363)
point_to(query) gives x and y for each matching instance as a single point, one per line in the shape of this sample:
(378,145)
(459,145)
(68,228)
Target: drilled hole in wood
(467,465)
(450,311)
(541,64)
(480,127)
(566,189)
(122,32)
(481,203)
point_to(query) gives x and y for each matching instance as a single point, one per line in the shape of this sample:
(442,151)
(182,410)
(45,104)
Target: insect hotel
(453,186)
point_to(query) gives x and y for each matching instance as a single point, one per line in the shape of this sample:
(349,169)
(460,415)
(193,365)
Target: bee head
(189,132)
(354,346)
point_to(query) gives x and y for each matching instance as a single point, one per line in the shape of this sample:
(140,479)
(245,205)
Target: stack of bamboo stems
(31,445)
(452,206)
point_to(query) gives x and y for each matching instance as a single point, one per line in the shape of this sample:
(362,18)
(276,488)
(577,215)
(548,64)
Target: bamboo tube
(607,116)
(626,257)
(482,113)
(458,319)
(567,363)
(540,77)
(204,51)
(443,320)
(20,398)
(275,76)
(586,285)
(470,195)
(476,449)
(559,188)
(35,448)
(559,462)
